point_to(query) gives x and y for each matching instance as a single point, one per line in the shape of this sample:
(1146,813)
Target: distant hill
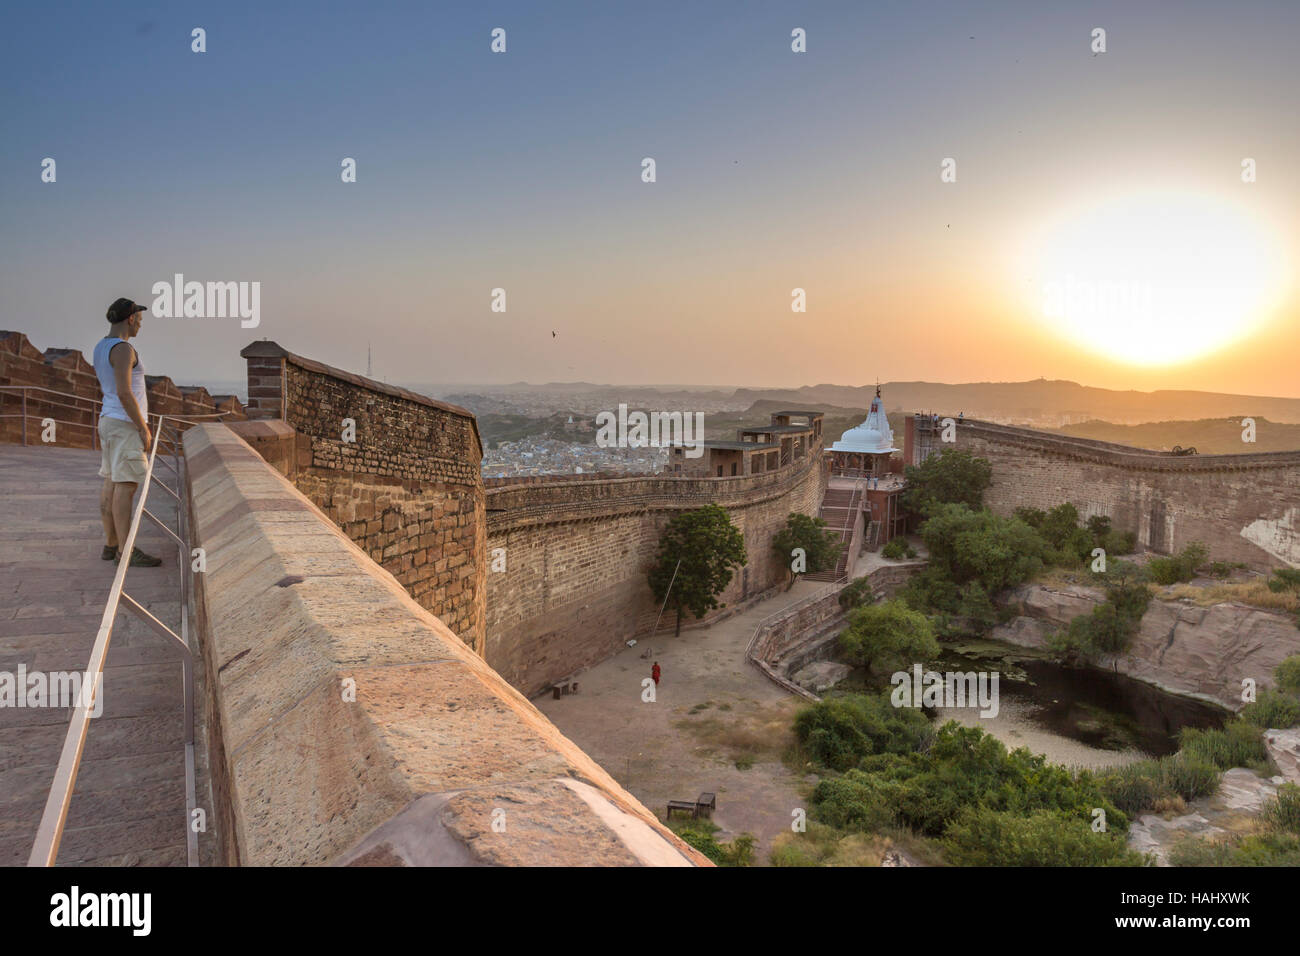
(1209,436)
(1042,401)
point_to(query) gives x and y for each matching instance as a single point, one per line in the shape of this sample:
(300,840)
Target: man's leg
(123,497)
(106,513)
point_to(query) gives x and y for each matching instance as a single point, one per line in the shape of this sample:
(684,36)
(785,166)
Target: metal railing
(850,526)
(91,405)
(49,834)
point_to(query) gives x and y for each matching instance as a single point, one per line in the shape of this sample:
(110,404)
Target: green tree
(698,552)
(950,477)
(885,637)
(821,547)
(968,545)
(839,731)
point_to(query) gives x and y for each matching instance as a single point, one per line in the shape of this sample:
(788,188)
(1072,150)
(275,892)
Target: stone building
(755,450)
(864,485)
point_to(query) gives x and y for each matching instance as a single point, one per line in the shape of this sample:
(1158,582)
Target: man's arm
(122,358)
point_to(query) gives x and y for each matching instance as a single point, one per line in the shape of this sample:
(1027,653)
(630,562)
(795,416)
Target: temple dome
(872,437)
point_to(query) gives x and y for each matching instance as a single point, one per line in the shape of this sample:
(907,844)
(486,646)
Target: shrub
(1108,629)
(984,837)
(1180,567)
(968,545)
(821,547)
(1287,674)
(1238,744)
(950,477)
(1118,542)
(895,550)
(1134,788)
(856,593)
(1265,849)
(885,637)
(1188,776)
(1272,709)
(1288,577)
(856,801)
(700,835)
(931,591)
(839,731)
(977,607)
(1282,814)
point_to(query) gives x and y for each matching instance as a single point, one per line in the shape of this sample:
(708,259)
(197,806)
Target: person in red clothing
(654,672)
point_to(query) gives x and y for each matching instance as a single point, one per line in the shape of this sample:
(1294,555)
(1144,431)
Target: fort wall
(576,554)
(61,384)
(1242,507)
(404,482)
(351,727)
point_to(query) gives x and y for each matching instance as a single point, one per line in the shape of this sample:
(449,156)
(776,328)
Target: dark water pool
(1099,708)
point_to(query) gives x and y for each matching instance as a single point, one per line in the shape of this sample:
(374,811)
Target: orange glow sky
(775,171)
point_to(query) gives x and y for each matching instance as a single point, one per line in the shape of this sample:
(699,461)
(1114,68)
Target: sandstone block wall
(68,371)
(1243,507)
(408,489)
(782,640)
(576,555)
(351,726)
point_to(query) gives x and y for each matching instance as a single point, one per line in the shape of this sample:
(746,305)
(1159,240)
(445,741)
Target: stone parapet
(352,726)
(1242,507)
(1124,456)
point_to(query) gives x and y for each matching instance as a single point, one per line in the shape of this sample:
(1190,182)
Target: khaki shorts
(124,457)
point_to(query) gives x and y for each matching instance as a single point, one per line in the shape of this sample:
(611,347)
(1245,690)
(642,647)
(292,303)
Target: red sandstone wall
(408,490)
(68,371)
(1243,507)
(577,553)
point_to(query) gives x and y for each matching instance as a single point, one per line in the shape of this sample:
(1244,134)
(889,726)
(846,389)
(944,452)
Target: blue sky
(522,171)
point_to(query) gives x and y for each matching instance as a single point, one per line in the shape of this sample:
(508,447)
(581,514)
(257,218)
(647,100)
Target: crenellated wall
(66,371)
(404,482)
(576,554)
(1243,507)
(349,726)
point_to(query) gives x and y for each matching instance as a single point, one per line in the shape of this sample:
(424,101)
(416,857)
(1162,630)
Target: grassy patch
(701,834)
(746,736)
(1255,593)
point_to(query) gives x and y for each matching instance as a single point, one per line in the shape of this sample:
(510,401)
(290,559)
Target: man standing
(655,672)
(123,428)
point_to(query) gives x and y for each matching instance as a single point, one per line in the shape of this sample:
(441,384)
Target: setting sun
(1156,279)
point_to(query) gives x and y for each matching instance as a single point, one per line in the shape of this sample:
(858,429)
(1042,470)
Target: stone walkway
(676,748)
(128,806)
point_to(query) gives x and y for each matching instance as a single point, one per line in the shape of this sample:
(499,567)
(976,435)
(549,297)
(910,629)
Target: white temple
(866,446)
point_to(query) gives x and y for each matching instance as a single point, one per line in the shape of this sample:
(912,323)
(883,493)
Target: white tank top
(108,381)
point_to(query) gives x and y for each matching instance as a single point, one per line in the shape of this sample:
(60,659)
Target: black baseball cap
(123,309)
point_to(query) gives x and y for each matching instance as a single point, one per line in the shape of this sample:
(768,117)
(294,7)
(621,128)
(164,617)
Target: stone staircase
(839,510)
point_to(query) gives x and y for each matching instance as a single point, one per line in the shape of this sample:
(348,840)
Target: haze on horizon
(775,171)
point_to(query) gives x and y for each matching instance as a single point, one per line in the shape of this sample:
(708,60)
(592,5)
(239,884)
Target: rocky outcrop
(1233,810)
(821,676)
(1283,747)
(1203,652)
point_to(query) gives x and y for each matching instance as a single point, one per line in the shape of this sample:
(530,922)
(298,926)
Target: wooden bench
(703,807)
(683,806)
(566,686)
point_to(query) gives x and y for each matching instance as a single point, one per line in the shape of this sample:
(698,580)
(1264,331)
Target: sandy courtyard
(712,709)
